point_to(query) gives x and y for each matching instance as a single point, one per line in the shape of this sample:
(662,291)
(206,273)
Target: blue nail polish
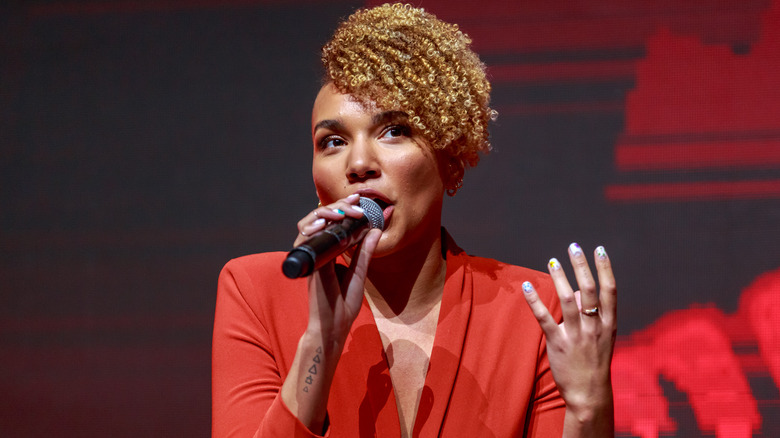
(338,211)
(527,287)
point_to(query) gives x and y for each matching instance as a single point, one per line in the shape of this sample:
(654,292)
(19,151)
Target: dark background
(145,143)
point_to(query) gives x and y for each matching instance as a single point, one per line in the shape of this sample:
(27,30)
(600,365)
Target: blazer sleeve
(246,380)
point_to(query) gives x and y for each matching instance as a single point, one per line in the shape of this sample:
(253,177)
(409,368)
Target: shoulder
(261,262)
(502,283)
(487,270)
(495,275)
(259,280)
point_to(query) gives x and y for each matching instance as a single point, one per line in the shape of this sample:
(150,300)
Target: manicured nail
(338,211)
(353,197)
(527,287)
(601,252)
(319,222)
(358,209)
(575,249)
(553,264)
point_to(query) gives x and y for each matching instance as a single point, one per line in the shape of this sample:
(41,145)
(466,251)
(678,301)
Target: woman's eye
(330,142)
(397,131)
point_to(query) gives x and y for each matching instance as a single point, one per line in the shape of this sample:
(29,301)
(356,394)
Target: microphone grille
(373,212)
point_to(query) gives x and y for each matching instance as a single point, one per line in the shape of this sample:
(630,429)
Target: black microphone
(324,245)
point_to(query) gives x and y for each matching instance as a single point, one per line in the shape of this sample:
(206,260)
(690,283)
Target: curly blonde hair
(401,57)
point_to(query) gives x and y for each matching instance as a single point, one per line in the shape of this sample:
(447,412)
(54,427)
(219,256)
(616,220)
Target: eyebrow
(389,116)
(333,125)
(376,119)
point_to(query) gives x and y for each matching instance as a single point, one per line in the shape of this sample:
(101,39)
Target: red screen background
(146,143)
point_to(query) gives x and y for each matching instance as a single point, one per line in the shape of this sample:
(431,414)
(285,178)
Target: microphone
(324,245)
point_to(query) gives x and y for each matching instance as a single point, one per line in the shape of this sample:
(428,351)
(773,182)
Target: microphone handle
(324,246)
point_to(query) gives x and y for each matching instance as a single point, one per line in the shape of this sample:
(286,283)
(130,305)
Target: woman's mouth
(387,209)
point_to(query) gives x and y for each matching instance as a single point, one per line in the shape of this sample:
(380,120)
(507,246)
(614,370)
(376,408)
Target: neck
(410,282)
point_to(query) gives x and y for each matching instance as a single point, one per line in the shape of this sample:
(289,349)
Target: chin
(387,245)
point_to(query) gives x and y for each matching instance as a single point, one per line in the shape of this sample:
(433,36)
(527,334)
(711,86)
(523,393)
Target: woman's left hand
(580,348)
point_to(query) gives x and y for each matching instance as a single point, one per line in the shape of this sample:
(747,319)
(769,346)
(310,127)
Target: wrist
(594,417)
(329,343)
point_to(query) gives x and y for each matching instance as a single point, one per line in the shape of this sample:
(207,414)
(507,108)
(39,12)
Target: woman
(406,335)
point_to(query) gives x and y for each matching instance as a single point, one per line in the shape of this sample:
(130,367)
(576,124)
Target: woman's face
(362,149)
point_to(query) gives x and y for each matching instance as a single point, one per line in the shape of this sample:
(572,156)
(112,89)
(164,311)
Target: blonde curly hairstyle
(401,57)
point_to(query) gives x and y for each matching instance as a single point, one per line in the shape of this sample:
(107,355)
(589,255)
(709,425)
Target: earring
(452,190)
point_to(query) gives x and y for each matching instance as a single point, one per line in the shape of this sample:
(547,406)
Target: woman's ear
(451,170)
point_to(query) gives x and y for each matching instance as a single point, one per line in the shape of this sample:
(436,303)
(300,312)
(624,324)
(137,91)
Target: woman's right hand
(335,298)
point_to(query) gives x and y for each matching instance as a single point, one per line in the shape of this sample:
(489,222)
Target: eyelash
(404,130)
(323,143)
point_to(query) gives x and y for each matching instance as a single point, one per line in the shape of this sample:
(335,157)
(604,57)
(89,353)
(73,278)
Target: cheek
(325,183)
(423,176)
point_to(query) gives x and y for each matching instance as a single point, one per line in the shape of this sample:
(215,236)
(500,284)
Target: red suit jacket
(488,374)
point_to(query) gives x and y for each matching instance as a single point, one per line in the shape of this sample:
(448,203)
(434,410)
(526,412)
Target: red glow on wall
(697,154)
(693,191)
(695,350)
(699,106)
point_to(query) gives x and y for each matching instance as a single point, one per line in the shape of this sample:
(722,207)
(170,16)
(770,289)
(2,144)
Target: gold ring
(591,312)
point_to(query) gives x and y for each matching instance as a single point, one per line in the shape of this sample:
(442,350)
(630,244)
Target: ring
(591,312)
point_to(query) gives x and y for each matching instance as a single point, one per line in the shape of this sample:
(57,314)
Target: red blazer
(488,374)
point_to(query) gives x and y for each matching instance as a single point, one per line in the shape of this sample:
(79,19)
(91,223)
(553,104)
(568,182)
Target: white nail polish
(358,209)
(575,249)
(601,252)
(319,222)
(527,288)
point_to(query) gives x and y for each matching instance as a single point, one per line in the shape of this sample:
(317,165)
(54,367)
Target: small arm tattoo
(313,369)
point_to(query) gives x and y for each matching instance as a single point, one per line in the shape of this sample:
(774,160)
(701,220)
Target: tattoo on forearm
(312,370)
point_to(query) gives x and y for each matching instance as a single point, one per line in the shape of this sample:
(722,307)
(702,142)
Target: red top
(488,373)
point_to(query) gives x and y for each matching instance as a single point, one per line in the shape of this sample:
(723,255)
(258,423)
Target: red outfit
(488,374)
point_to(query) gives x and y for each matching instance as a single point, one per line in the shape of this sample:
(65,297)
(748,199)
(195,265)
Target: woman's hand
(335,298)
(580,348)
(334,302)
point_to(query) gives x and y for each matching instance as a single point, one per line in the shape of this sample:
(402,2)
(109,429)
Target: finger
(325,280)
(318,218)
(569,307)
(308,230)
(354,280)
(543,317)
(585,280)
(607,286)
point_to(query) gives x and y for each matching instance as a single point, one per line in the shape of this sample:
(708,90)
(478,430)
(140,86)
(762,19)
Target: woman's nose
(363,163)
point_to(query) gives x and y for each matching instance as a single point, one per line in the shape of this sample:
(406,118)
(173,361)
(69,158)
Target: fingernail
(352,197)
(527,287)
(575,249)
(319,222)
(553,264)
(338,211)
(601,252)
(358,209)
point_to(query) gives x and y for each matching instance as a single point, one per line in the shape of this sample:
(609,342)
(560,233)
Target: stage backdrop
(145,143)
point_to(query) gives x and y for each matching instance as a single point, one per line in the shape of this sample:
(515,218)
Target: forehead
(332,104)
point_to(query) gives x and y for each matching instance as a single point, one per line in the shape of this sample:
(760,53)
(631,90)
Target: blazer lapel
(448,344)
